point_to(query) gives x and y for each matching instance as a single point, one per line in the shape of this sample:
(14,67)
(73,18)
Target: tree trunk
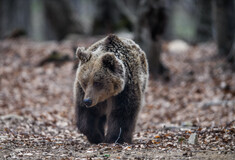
(232,54)
(104,21)
(60,17)
(224,24)
(151,24)
(204,25)
(111,16)
(14,16)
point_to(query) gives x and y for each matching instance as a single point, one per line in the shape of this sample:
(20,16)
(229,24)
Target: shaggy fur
(113,75)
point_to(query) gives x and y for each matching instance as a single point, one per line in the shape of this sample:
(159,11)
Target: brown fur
(113,73)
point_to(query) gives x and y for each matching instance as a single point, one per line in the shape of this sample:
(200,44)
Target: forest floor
(190,116)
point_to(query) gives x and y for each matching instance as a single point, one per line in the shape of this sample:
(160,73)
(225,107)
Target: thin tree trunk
(204,26)
(60,16)
(224,24)
(150,27)
(14,16)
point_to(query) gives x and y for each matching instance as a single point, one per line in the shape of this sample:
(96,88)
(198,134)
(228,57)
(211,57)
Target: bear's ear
(82,54)
(109,61)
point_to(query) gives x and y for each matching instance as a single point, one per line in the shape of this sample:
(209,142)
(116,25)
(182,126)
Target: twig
(120,132)
(218,103)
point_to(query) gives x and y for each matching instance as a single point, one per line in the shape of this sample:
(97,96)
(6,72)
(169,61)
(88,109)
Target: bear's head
(100,74)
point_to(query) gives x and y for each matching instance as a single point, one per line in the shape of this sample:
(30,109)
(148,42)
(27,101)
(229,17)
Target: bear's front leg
(88,124)
(88,120)
(120,130)
(122,119)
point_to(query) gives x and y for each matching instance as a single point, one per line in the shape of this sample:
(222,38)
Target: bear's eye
(84,85)
(98,85)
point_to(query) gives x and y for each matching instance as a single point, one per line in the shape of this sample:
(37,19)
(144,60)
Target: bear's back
(124,49)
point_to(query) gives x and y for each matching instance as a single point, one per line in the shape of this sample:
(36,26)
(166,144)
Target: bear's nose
(87,102)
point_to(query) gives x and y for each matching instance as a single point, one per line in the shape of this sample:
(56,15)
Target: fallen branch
(217,103)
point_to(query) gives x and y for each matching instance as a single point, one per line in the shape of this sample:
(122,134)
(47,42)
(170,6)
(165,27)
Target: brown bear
(110,84)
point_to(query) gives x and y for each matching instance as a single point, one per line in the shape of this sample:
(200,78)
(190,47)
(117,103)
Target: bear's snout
(87,102)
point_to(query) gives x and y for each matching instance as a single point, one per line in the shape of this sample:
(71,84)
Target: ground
(189,116)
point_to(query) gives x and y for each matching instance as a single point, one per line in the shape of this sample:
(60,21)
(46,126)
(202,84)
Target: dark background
(148,22)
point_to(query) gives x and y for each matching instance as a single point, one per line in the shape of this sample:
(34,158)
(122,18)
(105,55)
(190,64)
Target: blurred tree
(105,17)
(232,54)
(60,17)
(151,24)
(225,28)
(18,17)
(109,18)
(204,25)
(149,20)
(14,17)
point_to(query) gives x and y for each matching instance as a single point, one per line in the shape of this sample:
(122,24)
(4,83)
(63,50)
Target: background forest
(190,100)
